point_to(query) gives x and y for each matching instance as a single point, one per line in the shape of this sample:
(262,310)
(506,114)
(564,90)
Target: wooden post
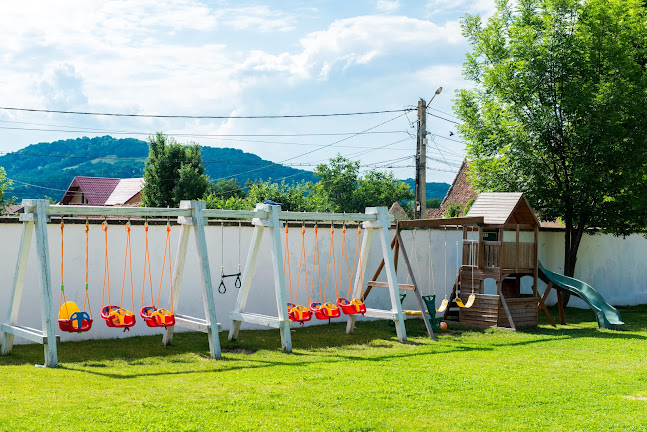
(560,308)
(46,301)
(391,275)
(517,250)
(205,272)
(279,279)
(421,302)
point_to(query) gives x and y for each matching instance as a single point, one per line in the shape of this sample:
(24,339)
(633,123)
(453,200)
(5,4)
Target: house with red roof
(103,191)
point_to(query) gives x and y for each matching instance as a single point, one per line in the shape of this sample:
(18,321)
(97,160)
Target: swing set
(192,216)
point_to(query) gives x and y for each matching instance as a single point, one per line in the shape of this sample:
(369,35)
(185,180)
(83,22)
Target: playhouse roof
(503,209)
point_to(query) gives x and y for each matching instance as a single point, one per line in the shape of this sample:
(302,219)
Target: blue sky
(240,58)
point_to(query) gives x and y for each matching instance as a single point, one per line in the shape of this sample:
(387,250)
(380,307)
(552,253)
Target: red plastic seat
(299,313)
(154,317)
(118,317)
(351,307)
(325,311)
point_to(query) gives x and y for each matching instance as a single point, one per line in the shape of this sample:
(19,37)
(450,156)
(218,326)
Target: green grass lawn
(568,378)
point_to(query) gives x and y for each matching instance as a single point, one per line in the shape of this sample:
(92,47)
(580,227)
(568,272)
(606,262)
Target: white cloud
(387,5)
(358,41)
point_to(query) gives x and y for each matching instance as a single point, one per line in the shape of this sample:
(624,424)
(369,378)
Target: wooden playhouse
(504,250)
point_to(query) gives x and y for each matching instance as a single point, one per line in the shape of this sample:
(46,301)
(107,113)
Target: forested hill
(50,167)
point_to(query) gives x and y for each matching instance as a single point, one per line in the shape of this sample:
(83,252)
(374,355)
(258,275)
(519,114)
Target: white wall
(610,264)
(261,300)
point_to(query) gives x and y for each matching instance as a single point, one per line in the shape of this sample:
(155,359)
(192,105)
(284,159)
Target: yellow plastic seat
(443,306)
(470,301)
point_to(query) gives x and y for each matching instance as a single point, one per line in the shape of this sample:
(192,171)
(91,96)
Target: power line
(443,118)
(213,117)
(315,150)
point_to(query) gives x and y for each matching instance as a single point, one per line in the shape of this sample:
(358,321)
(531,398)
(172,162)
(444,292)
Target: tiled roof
(460,192)
(95,189)
(125,190)
(398,212)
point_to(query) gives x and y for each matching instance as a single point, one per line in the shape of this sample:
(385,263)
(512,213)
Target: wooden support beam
(403,287)
(560,308)
(432,223)
(421,302)
(542,304)
(507,311)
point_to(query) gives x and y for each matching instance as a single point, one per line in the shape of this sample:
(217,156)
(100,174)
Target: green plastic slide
(608,317)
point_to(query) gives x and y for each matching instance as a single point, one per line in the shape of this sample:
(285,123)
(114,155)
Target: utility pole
(421,162)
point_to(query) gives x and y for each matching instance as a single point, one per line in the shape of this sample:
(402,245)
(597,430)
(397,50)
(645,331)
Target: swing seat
(470,301)
(299,313)
(351,307)
(325,311)
(443,306)
(72,320)
(154,317)
(118,317)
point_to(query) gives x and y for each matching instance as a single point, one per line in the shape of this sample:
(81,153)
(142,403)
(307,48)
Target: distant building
(103,191)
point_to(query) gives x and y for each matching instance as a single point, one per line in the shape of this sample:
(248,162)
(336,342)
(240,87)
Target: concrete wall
(611,265)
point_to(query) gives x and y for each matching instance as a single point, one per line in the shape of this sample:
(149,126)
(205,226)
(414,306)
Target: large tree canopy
(558,110)
(173,172)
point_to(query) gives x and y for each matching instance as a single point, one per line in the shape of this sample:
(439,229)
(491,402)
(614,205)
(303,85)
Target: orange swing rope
(316,263)
(302,259)
(167,250)
(331,257)
(86,300)
(106,268)
(128,263)
(62,300)
(286,261)
(147,264)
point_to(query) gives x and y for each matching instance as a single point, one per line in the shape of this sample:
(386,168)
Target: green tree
(339,181)
(378,188)
(453,210)
(293,197)
(434,203)
(226,189)
(5,187)
(558,110)
(173,172)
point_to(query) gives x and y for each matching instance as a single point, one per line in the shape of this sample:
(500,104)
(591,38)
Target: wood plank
(18,284)
(279,279)
(431,223)
(404,287)
(379,267)
(264,320)
(507,312)
(178,274)
(28,333)
(328,217)
(357,291)
(381,314)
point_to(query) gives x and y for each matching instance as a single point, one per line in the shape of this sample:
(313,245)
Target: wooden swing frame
(192,215)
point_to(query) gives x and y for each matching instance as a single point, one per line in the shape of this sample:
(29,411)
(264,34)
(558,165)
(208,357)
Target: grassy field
(569,378)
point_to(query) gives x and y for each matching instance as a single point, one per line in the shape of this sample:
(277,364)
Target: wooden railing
(508,255)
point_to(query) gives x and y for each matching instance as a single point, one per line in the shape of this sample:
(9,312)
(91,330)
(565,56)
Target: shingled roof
(101,191)
(503,209)
(460,192)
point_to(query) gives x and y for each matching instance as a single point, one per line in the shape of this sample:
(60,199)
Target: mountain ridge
(46,169)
